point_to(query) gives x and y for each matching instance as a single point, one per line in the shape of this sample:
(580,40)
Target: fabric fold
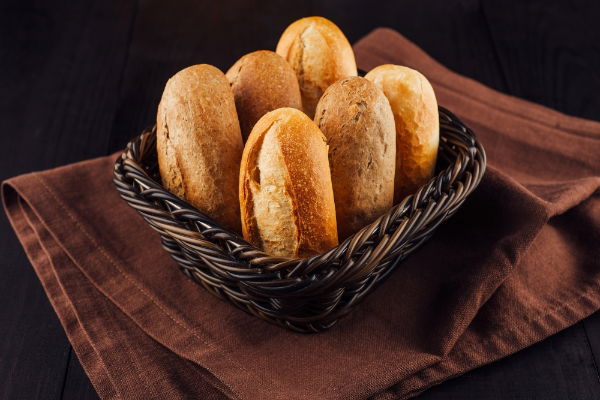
(517,263)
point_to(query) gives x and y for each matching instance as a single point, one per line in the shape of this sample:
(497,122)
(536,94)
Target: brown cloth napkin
(519,262)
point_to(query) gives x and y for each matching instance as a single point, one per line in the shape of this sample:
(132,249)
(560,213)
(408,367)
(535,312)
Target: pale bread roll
(356,118)
(262,81)
(319,53)
(286,196)
(417,124)
(199,143)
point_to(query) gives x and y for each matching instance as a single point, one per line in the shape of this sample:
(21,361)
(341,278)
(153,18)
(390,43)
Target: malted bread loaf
(262,81)
(199,143)
(356,118)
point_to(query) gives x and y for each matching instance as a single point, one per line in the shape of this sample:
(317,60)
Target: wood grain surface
(78,79)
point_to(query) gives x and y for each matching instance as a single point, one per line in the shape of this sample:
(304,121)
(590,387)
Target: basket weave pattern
(310,294)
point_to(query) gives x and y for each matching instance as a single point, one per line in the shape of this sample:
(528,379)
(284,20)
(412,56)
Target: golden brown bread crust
(356,118)
(199,144)
(319,53)
(286,196)
(262,81)
(417,124)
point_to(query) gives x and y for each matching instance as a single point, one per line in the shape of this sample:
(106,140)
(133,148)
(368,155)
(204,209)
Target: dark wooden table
(78,78)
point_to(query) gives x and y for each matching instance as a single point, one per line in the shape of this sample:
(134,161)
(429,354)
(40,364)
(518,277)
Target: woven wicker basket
(311,294)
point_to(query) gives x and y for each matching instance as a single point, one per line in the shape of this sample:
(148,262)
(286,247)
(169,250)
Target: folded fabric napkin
(519,262)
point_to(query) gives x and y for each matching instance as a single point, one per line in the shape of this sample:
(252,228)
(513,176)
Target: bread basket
(310,294)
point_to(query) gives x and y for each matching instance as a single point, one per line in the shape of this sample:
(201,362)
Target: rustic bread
(319,53)
(356,118)
(286,196)
(199,144)
(417,124)
(262,81)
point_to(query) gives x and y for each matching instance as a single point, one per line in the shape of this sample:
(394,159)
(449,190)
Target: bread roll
(417,125)
(319,53)
(286,196)
(199,144)
(356,118)
(262,81)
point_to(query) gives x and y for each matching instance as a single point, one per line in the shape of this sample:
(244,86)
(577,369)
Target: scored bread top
(286,195)
(319,53)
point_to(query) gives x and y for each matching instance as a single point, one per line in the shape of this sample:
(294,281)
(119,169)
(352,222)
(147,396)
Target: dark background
(79,78)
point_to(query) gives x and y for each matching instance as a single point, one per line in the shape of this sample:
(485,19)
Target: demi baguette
(286,196)
(416,116)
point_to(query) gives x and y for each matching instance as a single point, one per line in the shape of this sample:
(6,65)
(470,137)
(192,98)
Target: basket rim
(127,159)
